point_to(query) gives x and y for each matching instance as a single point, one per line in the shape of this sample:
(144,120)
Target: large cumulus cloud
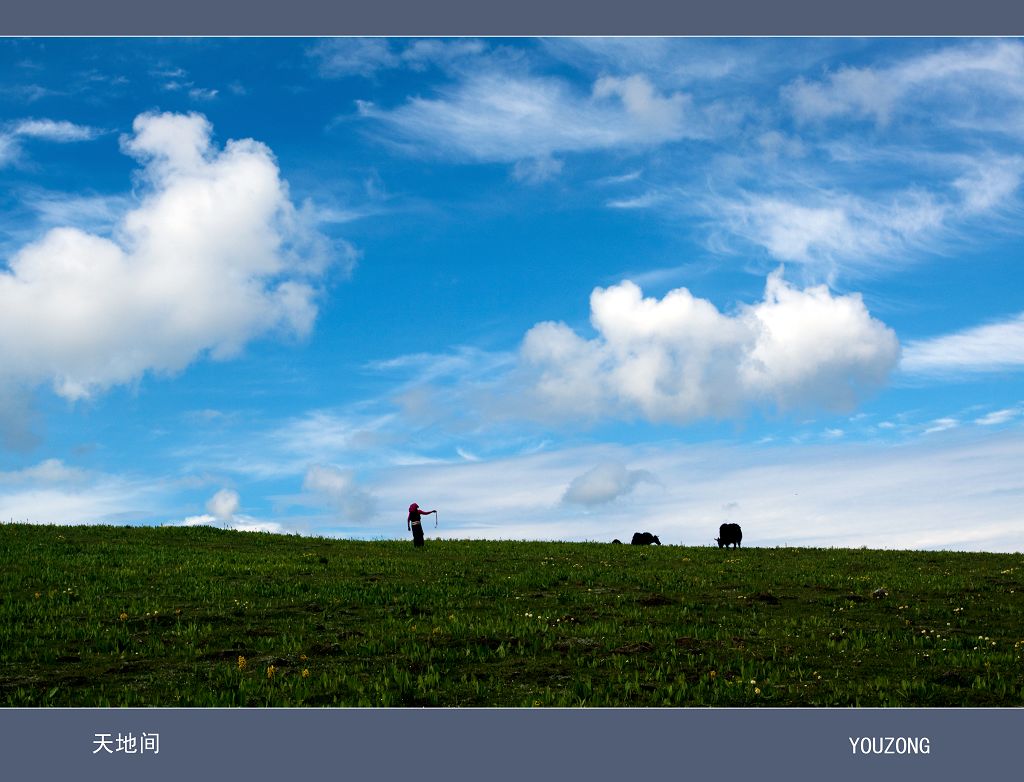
(212,254)
(679,358)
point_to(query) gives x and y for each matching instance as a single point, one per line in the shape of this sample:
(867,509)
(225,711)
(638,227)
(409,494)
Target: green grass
(136,616)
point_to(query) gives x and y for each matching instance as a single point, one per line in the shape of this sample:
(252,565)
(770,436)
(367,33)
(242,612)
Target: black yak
(644,539)
(729,534)
(617,541)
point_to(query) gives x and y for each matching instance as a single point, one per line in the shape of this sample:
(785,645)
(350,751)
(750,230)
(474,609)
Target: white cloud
(9,150)
(989,183)
(353,56)
(47,472)
(670,61)
(862,200)
(91,213)
(942,425)
(604,483)
(224,504)
(679,358)
(965,81)
(202,93)
(212,256)
(284,450)
(537,170)
(644,201)
(661,117)
(826,230)
(993,347)
(250,524)
(441,52)
(857,206)
(805,216)
(997,417)
(620,179)
(501,118)
(52,492)
(238,523)
(957,492)
(338,488)
(328,480)
(339,57)
(60,131)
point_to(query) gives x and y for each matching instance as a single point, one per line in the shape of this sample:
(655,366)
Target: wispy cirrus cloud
(814,213)
(843,200)
(832,231)
(9,150)
(175,79)
(993,347)
(57,131)
(942,425)
(972,82)
(500,117)
(537,171)
(643,201)
(340,57)
(52,492)
(60,131)
(998,417)
(703,65)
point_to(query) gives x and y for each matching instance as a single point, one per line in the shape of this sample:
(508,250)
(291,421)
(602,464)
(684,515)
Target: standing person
(413,523)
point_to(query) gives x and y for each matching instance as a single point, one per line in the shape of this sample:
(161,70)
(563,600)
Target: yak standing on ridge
(729,534)
(644,539)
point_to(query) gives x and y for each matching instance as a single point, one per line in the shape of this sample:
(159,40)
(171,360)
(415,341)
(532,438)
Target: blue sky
(559,289)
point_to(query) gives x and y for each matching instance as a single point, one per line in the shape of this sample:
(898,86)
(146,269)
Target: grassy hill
(120,616)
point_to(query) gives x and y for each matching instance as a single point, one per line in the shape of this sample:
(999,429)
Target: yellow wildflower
(123,616)
(241,662)
(305,673)
(270,671)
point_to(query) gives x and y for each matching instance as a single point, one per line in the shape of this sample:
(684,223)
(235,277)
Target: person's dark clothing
(414,523)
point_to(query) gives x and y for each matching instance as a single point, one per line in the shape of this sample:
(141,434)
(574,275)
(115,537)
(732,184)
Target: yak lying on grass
(644,539)
(729,535)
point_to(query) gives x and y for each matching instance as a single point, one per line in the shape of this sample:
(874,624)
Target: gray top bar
(524,17)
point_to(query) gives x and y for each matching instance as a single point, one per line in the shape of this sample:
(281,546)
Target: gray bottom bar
(507,744)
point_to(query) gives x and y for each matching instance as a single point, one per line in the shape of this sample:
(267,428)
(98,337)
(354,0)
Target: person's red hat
(414,506)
